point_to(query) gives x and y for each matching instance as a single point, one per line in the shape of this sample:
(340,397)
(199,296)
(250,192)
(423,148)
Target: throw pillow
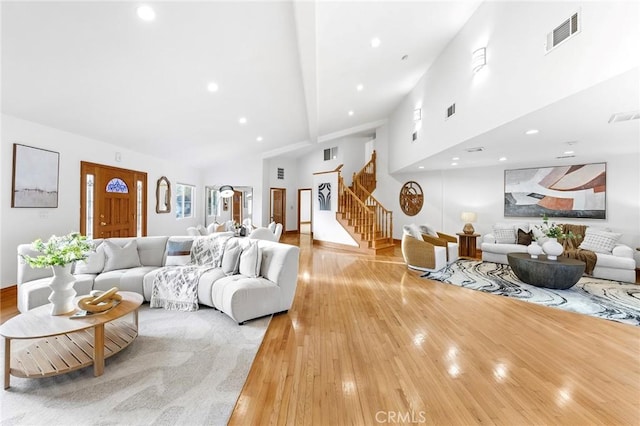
(250,260)
(94,264)
(202,230)
(504,235)
(426,229)
(524,238)
(600,241)
(231,260)
(117,257)
(178,253)
(413,231)
(272,227)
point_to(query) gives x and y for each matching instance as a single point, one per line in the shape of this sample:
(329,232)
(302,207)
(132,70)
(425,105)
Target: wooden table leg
(98,350)
(7,362)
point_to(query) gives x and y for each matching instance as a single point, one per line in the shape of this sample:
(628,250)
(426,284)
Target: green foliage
(59,250)
(553,230)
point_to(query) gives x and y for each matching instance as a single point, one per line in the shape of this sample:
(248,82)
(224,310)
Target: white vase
(552,248)
(62,291)
(534,249)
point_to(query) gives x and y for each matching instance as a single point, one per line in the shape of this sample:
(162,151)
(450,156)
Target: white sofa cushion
(231,259)
(250,260)
(426,229)
(178,252)
(125,279)
(504,234)
(94,264)
(244,298)
(117,257)
(600,241)
(413,230)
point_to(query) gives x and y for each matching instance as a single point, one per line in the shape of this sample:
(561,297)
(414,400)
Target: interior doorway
(113,201)
(236,206)
(304,211)
(278,202)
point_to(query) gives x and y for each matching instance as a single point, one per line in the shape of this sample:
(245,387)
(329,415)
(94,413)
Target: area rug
(183,368)
(612,300)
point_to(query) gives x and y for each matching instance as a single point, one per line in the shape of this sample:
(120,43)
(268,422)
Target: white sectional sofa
(241,297)
(618,264)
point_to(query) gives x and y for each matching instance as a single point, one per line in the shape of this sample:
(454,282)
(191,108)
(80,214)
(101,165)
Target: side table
(467,244)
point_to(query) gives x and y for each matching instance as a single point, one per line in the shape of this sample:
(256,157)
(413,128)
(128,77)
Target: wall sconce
(226,191)
(417,114)
(479,59)
(468,217)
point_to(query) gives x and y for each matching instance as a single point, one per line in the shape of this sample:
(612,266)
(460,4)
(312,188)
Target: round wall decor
(411,198)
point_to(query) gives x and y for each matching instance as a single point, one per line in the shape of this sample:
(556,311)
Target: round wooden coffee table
(559,274)
(66,344)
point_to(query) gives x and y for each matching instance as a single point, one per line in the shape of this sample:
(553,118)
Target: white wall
(325,226)
(448,193)
(514,35)
(23,225)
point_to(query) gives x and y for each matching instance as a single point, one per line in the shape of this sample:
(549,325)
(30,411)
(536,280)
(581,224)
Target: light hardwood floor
(369,342)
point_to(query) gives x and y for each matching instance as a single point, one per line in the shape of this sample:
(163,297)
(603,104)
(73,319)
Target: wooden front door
(237,206)
(278,202)
(113,201)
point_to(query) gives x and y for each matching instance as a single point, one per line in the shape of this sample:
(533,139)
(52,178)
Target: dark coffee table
(559,274)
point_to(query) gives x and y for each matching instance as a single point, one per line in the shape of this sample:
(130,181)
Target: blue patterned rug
(612,300)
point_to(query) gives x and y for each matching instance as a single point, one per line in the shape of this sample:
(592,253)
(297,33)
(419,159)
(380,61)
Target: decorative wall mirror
(163,196)
(238,207)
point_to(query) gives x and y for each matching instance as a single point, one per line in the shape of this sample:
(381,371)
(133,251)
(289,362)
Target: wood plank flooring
(368,342)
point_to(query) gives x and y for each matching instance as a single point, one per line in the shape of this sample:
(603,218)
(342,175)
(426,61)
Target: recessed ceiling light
(359,87)
(259,138)
(242,120)
(212,87)
(375,42)
(568,152)
(455,158)
(350,112)
(531,132)
(454,164)
(502,159)
(146,13)
(421,167)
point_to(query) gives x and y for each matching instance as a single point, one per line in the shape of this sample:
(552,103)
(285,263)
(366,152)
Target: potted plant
(59,253)
(554,232)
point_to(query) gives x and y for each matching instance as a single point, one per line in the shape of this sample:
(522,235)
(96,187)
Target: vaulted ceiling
(291,69)
(299,73)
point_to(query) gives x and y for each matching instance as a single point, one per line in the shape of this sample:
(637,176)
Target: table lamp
(468,218)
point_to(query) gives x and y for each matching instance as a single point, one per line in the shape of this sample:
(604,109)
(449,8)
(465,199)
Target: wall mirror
(163,195)
(236,208)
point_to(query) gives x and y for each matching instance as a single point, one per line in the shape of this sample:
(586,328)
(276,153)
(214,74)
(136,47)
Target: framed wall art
(35,177)
(577,191)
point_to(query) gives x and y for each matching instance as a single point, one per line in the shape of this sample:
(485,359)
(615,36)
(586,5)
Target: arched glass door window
(117,185)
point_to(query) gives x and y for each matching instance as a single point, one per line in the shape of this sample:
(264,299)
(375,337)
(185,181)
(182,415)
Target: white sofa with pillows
(251,278)
(615,261)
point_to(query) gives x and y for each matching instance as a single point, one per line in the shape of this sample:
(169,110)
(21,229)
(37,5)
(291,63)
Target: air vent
(563,32)
(565,156)
(476,149)
(280,173)
(624,116)
(451,110)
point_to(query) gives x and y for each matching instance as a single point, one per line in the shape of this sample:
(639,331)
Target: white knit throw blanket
(176,287)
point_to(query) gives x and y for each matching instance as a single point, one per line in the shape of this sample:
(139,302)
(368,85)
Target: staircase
(364,217)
